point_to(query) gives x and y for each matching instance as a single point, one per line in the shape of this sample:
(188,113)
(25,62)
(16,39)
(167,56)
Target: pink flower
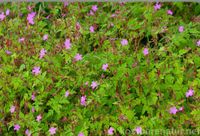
(181,109)
(104,67)
(181,29)
(113,15)
(94,85)
(52,130)
(169,12)
(102,76)
(91,13)
(7,12)
(29,8)
(2,16)
(124,42)
(78,26)
(48,17)
(80,134)
(63,15)
(45,37)
(67,93)
(66,3)
(16,127)
(145,51)
(78,57)
(8,52)
(33,109)
(198,43)
(36,70)
(83,100)
(67,44)
(33,97)
(91,29)
(30,17)
(173,110)
(111,131)
(21,39)
(94,8)
(42,53)
(138,130)
(189,93)
(27,132)
(86,83)
(157,6)
(12,109)
(39,117)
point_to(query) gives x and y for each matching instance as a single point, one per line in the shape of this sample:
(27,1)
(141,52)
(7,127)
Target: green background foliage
(135,90)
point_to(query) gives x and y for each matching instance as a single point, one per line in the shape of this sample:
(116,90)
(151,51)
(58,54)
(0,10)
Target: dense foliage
(99,68)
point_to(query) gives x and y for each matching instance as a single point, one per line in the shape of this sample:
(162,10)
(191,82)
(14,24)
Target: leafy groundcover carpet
(97,69)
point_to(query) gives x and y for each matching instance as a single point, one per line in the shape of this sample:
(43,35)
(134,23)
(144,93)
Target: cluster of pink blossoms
(169,12)
(124,42)
(181,29)
(39,117)
(67,44)
(27,132)
(21,39)
(83,100)
(3,16)
(198,43)
(111,131)
(16,127)
(93,10)
(8,52)
(36,70)
(30,17)
(92,29)
(52,130)
(45,37)
(94,85)
(78,26)
(12,109)
(67,93)
(42,53)
(104,67)
(78,57)
(138,130)
(189,93)
(145,51)
(157,6)
(33,97)
(174,110)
